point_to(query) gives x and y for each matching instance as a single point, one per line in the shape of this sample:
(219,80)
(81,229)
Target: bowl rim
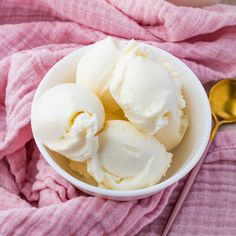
(136,192)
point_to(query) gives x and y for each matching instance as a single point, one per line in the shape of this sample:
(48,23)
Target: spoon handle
(188,184)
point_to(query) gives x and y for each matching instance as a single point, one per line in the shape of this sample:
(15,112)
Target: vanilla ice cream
(172,134)
(117,123)
(128,158)
(95,69)
(149,96)
(66,118)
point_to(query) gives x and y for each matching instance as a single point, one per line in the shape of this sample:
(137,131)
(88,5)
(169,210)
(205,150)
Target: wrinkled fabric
(210,206)
(34,35)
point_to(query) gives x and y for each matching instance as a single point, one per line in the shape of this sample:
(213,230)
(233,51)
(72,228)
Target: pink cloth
(34,35)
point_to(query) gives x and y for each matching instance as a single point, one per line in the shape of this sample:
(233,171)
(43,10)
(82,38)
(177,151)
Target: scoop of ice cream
(128,158)
(66,119)
(149,96)
(172,134)
(95,69)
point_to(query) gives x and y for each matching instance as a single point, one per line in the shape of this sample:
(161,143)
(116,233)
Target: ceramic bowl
(186,155)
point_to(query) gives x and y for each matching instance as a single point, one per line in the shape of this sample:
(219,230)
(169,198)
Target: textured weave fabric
(210,206)
(34,35)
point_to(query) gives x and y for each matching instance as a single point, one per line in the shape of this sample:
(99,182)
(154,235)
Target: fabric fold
(34,35)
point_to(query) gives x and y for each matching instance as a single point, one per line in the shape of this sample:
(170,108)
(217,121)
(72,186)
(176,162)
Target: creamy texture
(66,119)
(149,96)
(95,69)
(172,134)
(119,119)
(128,158)
(81,169)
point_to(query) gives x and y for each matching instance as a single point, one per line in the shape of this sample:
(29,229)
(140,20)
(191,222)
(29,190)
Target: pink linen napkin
(34,35)
(210,206)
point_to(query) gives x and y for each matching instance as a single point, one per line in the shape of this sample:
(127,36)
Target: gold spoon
(222,97)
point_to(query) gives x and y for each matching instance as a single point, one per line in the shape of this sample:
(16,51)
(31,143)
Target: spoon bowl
(222,97)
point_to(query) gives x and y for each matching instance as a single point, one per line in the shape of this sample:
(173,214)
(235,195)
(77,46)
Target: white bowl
(186,155)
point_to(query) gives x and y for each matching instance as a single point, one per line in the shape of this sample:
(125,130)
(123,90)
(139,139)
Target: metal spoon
(222,97)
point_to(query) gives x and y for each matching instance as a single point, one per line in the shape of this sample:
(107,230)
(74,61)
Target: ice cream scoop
(149,96)
(172,134)
(95,69)
(128,158)
(66,118)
